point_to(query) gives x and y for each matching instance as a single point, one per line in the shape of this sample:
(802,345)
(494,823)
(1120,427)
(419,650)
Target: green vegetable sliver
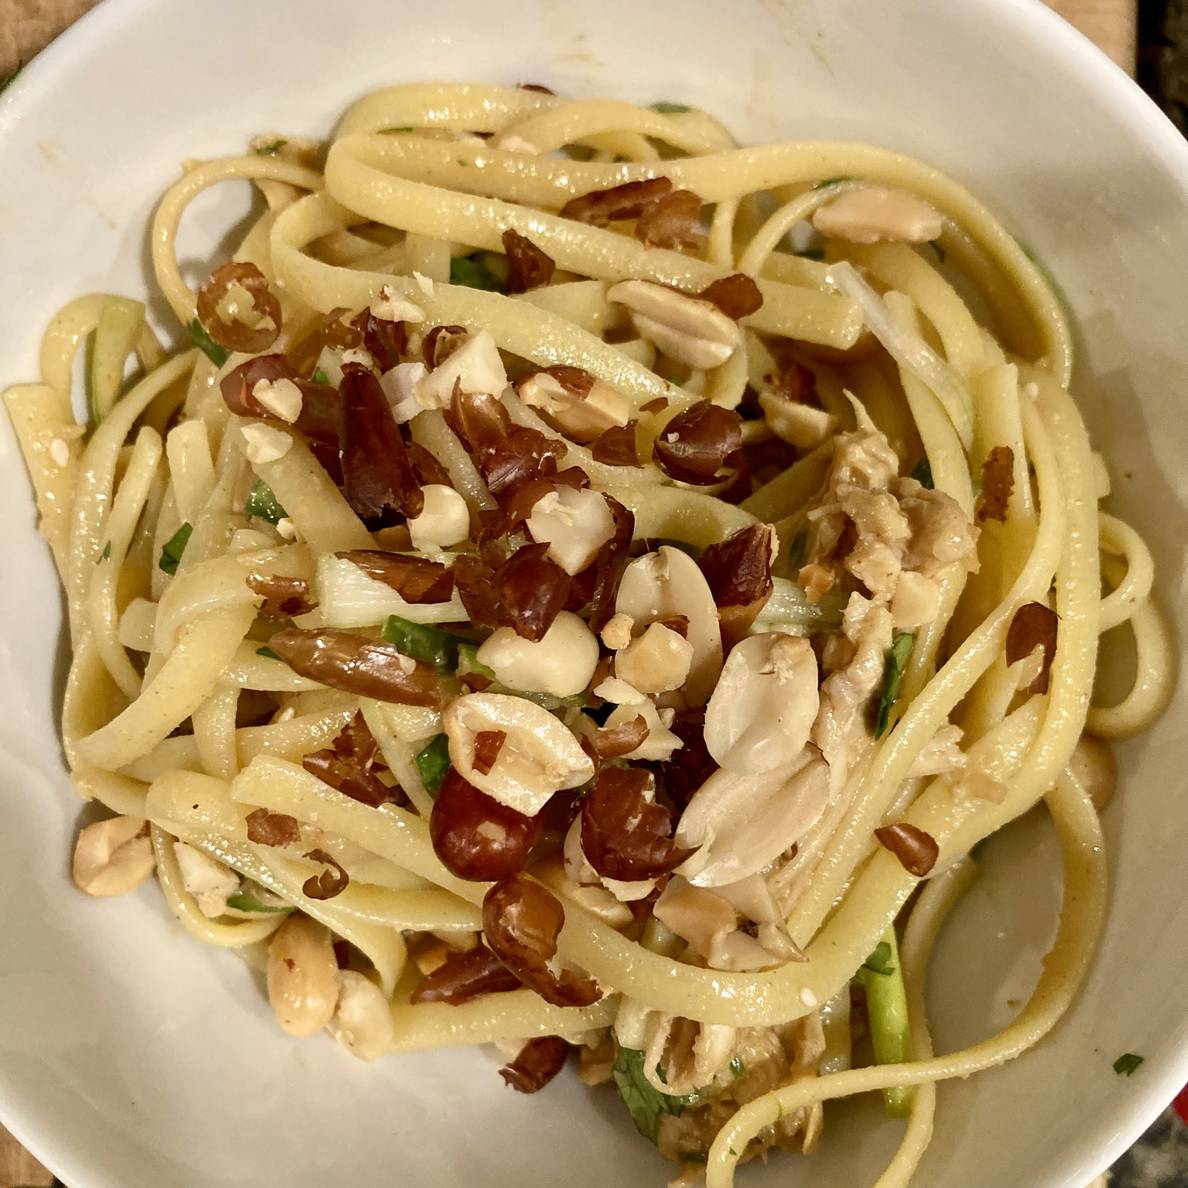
(422,642)
(897,658)
(216,354)
(262,503)
(119,327)
(887,1013)
(432,762)
(175,546)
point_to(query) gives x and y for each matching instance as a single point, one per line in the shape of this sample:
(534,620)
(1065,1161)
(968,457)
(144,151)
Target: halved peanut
(574,523)
(744,822)
(362,1020)
(763,707)
(879,213)
(668,582)
(657,662)
(685,328)
(539,756)
(112,856)
(581,415)
(302,976)
(560,663)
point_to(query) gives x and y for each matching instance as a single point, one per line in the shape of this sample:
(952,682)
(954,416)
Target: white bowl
(131,1056)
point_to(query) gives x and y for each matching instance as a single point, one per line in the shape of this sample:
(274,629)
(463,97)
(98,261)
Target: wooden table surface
(27,25)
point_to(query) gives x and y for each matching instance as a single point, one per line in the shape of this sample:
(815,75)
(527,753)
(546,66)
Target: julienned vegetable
(645,1102)
(175,546)
(886,1010)
(119,327)
(473,272)
(897,658)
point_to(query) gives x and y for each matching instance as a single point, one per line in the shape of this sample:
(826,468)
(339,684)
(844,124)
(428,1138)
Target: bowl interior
(123,1045)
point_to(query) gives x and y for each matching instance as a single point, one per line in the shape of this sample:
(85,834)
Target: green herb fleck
(171,554)
(798,549)
(106,554)
(831,181)
(661,1075)
(268,653)
(474,274)
(393,131)
(737,1067)
(270,150)
(922,473)
(645,1102)
(432,762)
(879,962)
(1125,1065)
(666,108)
(216,354)
(897,658)
(246,903)
(262,503)
(733,1152)
(423,642)
(320,377)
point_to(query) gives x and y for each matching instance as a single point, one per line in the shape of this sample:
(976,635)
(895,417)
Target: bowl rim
(1038,26)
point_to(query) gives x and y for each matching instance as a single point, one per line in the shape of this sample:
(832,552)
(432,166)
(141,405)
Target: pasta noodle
(589,607)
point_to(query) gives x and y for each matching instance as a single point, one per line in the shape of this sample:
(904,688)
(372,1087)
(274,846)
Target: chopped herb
(432,762)
(320,377)
(216,354)
(812,254)
(645,1102)
(737,1067)
(423,642)
(270,150)
(923,473)
(246,903)
(879,962)
(474,274)
(661,1075)
(797,549)
(106,554)
(666,108)
(1127,1063)
(897,658)
(733,1152)
(262,503)
(171,554)
(267,653)
(830,181)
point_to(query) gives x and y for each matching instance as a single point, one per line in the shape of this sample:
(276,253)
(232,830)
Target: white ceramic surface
(129,1055)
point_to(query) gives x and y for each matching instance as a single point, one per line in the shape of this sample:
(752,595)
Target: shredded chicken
(760,1060)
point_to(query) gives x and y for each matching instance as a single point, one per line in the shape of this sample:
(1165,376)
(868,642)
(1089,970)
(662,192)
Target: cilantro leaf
(897,658)
(320,377)
(1125,1065)
(474,274)
(923,473)
(268,653)
(171,554)
(106,554)
(262,503)
(666,108)
(644,1101)
(432,762)
(216,354)
(879,962)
